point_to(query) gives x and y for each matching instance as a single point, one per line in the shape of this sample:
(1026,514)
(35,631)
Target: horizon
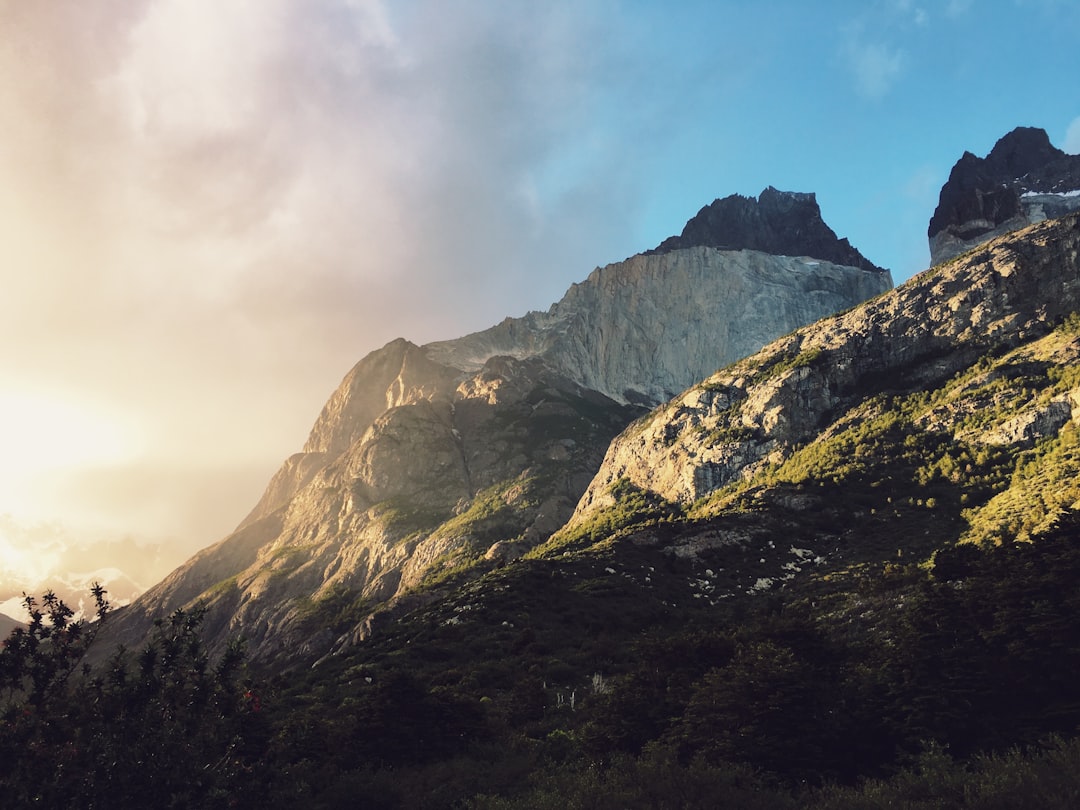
(213,211)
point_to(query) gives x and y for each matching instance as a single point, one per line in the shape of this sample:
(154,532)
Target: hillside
(880,557)
(463,455)
(838,573)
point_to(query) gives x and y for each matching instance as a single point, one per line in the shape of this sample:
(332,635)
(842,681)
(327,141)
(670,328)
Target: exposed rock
(642,330)
(783,223)
(1032,424)
(465,454)
(1024,179)
(433,482)
(757,411)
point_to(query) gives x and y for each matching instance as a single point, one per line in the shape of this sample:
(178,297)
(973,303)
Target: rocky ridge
(759,411)
(778,222)
(644,329)
(465,453)
(1024,179)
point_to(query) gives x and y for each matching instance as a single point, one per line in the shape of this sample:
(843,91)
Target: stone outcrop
(464,454)
(642,330)
(437,478)
(1025,179)
(782,223)
(759,410)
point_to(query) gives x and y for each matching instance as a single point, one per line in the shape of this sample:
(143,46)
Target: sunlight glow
(40,432)
(28,567)
(43,437)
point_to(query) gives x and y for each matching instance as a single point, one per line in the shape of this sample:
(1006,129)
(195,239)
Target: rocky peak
(455,455)
(1021,151)
(755,413)
(1024,179)
(782,223)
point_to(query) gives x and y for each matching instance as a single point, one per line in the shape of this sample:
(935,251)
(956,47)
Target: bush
(166,727)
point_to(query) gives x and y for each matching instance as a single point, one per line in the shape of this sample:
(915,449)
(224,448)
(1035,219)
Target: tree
(166,727)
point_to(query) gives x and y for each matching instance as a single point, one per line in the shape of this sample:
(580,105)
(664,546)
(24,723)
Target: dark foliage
(166,727)
(903,685)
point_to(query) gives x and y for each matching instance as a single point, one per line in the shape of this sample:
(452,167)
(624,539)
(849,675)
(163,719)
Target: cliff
(644,329)
(759,412)
(1024,179)
(459,456)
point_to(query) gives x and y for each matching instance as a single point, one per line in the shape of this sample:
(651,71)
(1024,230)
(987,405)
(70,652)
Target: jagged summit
(458,454)
(783,223)
(1024,179)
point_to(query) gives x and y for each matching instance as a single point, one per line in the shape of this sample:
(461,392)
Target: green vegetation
(633,508)
(1045,484)
(576,680)
(163,727)
(337,609)
(490,515)
(886,616)
(404,518)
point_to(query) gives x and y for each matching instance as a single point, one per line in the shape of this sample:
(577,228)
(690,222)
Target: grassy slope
(804,637)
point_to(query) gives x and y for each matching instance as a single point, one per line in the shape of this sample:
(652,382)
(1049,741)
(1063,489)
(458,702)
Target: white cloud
(1072,138)
(35,558)
(212,209)
(876,66)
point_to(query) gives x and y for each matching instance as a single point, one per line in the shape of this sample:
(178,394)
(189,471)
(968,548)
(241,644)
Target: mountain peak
(1024,179)
(1023,150)
(784,223)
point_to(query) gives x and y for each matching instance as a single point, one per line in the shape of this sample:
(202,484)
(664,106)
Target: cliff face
(642,330)
(1024,179)
(759,411)
(398,374)
(462,455)
(445,475)
(782,223)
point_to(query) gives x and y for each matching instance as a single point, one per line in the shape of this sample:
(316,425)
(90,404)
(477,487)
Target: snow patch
(1073,193)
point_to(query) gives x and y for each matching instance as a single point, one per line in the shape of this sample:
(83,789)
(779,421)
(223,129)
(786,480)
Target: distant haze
(211,210)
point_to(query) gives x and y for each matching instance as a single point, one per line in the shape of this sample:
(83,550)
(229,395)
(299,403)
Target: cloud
(1072,138)
(873,62)
(35,558)
(876,66)
(211,210)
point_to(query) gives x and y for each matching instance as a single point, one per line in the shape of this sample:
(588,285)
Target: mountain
(1024,179)
(755,414)
(848,558)
(7,624)
(465,454)
(839,572)
(777,222)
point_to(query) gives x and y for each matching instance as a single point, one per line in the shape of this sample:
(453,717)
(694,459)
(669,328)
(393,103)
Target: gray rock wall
(758,410)
(647,328)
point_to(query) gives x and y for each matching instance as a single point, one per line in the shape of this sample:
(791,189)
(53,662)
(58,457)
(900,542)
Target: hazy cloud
(35,558)
(211,210)
(875,65)
(1072,138)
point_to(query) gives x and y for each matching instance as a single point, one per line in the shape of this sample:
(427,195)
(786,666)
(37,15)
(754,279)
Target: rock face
(759,410)
(782,223)
(644,329)
(464,454)
(453,470)
(1024,179)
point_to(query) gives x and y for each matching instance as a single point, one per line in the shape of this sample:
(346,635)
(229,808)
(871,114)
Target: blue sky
(212,209)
